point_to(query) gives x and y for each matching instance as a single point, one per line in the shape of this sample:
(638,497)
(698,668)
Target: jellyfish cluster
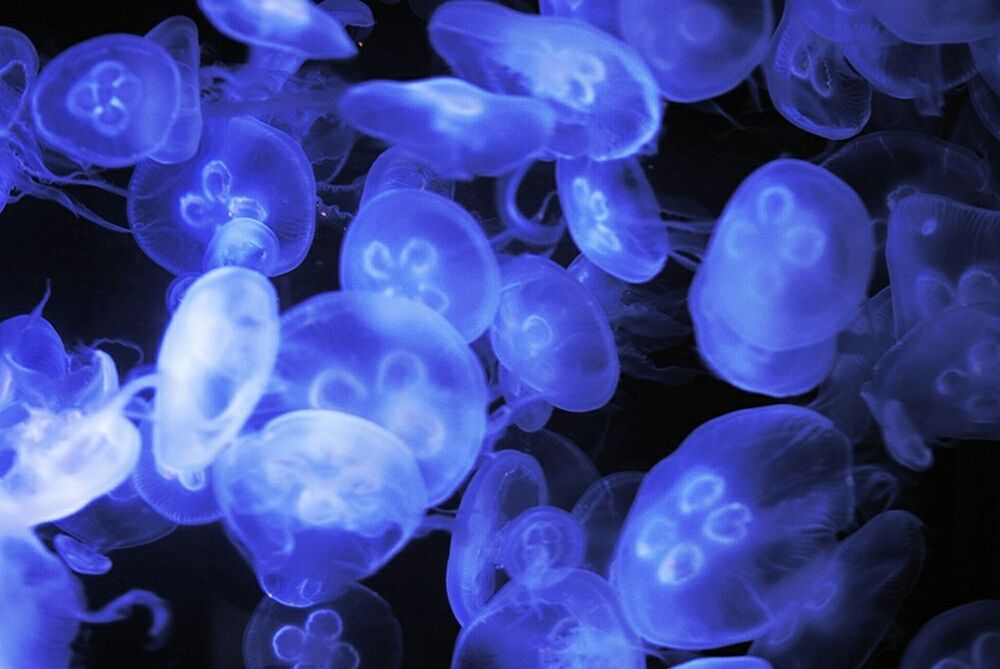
(663,386)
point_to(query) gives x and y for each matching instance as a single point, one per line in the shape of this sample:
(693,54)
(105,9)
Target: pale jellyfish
(965,637)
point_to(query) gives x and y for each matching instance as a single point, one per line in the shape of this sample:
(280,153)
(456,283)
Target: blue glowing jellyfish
(552,334)
(698,49)
(568,470)
(931,22)
(598,13)
(17,74)
(459,129)
(178,35)
(739,662)
(541,545)
(601,511)
(391,360)
(606,101)
(746,500)
(109,101)
(317,500)
(247,198)
(840,22)
(842,605)
(506,483)
(395,168)
(965,637)
(354,629)
(420,245)
(613,216)
(574,622)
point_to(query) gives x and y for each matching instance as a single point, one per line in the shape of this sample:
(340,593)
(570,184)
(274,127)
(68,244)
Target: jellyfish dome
(601,512)
(109,101)
(420,245)
(747,500)
(17,74)
(541,545)
(317,500)
(396,168)
(965,637)
(178,36)
(391,360)
(929,22)
(247,198)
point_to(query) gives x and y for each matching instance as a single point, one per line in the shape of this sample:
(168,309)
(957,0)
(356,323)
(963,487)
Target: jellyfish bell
(17,74)
(178,35)
(965,636)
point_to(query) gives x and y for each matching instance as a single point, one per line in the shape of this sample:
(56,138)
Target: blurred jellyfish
(318,499)
(568,470)
(178,35)
(744,662)
(396,169)
(541,545)
(598,13)
(928,22)
(247,198)
(17,74)
(602,510)
(354,629)
(698,49)
(457,128)
(747,500)
(840,22)
(986,54)
(605,98)
(965,637)
(986,102)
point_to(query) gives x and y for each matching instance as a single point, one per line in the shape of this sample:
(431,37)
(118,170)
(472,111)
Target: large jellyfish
(606,101)
(318,499)
(247,198)
(178,35)
(965,637)
(747,500)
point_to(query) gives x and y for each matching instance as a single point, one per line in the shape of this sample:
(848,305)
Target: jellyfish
(17,74)
(746,501)
(574,622)
(840,22)
(247,198)
(457,128)
(941,253)
(601,511)
(698,49)
(986,55)
(541,545)
(939,381)
(178,35)
(522,407)
(606,101)
(739,662)
(110,101)
(354,629)
(965,637)
(568,470)
(986,102)
(613,216)
(506,484)
(842,605)
(214,364)
(354,15)
(318,499)
(545,228)
(598,13)
(928,22)
(395,168)
(552,334)
(420,245)
(810,82)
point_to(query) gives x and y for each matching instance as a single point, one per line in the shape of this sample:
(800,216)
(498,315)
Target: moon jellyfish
(541,545)
(606,101)
(17,74)
(743,662)
(575,622)
(506,483)
(318,499)
(747,500)
(598,13)
(247,198)
(552,334)
(568,470)
(111,100)
(940,380)
(613,216)
(393,361)
(420,245)
(214,364)
(931,22)
(842,605)
(355,629)
(459,129)
(395,168)
(698,49)
(811,84)
(965,637)
(941,253)
(601,511)
(178,36)
(840,22)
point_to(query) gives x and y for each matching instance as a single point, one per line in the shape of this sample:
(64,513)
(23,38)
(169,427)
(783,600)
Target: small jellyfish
(698,49)
(354,629)
(17,74)
(932,22)
(747,500)
(506,484)
(420,245)
(965,637)
(178,35)
(606,101)
(318,499)
(568,470)
(457,128)
(541,545)
(601,511)
(396,169)
(613,216)
(552,334)
(247,198)
(110,101)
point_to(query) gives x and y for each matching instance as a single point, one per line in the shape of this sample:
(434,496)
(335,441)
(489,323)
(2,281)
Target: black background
(104,287)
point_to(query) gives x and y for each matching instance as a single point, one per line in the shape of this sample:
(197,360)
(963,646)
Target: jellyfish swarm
(214,364)
(842,605)
(423,246)
(318,499)
(604,97)
(697,49)
(355,629)
(746,501)
(965,637)
(786,269)
(459,129)
(246,198)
